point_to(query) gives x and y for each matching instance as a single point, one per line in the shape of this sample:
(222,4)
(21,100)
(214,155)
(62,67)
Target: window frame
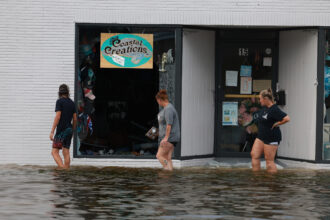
(178,82)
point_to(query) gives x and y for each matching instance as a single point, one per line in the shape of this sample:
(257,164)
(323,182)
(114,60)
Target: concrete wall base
(138,163)
(291,164)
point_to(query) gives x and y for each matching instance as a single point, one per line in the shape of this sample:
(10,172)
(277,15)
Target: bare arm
(286,119)
(55,123)
(168,131)
(74,121)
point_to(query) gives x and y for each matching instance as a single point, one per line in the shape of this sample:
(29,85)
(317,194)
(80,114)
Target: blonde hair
(268,93)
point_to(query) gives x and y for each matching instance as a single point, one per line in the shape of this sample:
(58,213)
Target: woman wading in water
(65,113)
(169,130)
(269,134)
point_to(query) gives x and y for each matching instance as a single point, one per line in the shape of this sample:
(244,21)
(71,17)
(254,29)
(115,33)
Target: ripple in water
(30,192)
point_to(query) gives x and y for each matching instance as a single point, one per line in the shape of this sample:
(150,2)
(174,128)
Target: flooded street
(28,192)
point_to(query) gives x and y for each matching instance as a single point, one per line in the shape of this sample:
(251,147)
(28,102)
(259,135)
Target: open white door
(198,75)
(298,77)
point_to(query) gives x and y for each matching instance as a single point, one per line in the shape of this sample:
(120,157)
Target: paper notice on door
(246,85)
(230,113)
(267,61)
(231,78)
(118,59)
(259,85)
(246,70)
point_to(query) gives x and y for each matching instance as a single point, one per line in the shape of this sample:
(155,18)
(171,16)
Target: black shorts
(174,143)
(67,141)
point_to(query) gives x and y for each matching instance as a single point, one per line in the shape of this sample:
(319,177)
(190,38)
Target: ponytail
(268,93)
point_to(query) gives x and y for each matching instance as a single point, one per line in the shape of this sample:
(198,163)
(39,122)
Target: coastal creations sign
(126,50)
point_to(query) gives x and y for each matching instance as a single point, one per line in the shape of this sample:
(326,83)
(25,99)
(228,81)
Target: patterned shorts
(63,139)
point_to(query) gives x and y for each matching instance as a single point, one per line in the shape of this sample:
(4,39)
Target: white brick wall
(37,51)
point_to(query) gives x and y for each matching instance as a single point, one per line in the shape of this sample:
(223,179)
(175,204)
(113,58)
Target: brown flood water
(29,192)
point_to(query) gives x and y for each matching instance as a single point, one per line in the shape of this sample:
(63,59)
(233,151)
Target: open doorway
(247,65)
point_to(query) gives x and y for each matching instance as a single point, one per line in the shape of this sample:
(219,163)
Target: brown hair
(63,90)
(268,93)
(162,95)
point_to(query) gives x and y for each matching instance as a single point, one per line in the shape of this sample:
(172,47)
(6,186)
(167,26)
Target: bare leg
(169,156)
(57,158)
(270,152)
(66,155)
(257,150)
(161,155)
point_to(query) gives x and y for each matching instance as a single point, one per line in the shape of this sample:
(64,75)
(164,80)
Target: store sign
(126,50)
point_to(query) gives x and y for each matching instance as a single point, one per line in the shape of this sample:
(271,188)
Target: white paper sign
(118,59)
(231,78)
(267,61)
(246,85)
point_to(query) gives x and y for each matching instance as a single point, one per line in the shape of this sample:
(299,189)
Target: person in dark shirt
(269,134)
(65,113)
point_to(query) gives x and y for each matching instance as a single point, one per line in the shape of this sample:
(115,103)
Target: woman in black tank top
(269,134)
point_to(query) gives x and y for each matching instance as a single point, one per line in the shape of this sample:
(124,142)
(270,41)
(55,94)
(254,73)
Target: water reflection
(119,193)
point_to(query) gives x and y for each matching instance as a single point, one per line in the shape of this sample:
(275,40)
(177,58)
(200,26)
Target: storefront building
(213,60)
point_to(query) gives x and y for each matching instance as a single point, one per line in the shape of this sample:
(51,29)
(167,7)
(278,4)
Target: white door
(298,77)
(198,73)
